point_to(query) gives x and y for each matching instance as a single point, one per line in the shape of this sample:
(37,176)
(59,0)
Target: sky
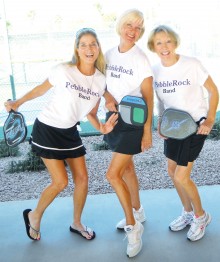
(188,11)
(192,15)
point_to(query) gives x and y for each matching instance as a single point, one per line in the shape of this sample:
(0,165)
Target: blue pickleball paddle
(14,129)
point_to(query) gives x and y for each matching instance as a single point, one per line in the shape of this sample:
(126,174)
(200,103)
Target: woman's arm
(160,109)
(147,93)
(110,101)
(212,89)
(103,128)
(34,93)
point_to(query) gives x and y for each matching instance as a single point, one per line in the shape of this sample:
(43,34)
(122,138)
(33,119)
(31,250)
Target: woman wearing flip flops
(128,72)
(77,87)
(179,81)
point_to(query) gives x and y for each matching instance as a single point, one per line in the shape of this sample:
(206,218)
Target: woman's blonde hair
(129,16)
(162,28)
(100,61)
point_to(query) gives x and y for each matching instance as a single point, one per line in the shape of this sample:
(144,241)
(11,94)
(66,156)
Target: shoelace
(126,236)
(188,217)
(131,238)
(197,224)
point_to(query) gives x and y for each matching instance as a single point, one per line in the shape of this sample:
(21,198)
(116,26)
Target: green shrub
(6,151)
(31,163)
(101,146)
(215,133)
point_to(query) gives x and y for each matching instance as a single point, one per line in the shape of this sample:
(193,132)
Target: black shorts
(56,143)
(124,138)
(184,151)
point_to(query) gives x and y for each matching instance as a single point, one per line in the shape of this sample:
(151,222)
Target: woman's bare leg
(59,180)
(115,177)
(132,182)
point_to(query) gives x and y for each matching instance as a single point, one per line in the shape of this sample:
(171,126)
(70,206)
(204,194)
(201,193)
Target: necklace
(89,80)
(88,74)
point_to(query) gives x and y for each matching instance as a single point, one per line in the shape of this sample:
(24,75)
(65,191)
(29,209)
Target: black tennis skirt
(124,138)
(184,151)
(56,143)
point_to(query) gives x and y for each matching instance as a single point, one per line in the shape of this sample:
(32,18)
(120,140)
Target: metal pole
(7,50)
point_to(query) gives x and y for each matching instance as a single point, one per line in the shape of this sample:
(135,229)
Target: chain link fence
(32,57)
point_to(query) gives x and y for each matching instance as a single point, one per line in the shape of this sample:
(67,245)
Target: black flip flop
(27,224)
(80,233)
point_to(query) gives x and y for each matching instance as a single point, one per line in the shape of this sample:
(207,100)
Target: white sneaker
(197,229)
(139,215)
(182,221)
(134,234)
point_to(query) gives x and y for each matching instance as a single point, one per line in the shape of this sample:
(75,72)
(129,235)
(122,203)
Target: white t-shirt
(74,96)
(181,86)
(126,71)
